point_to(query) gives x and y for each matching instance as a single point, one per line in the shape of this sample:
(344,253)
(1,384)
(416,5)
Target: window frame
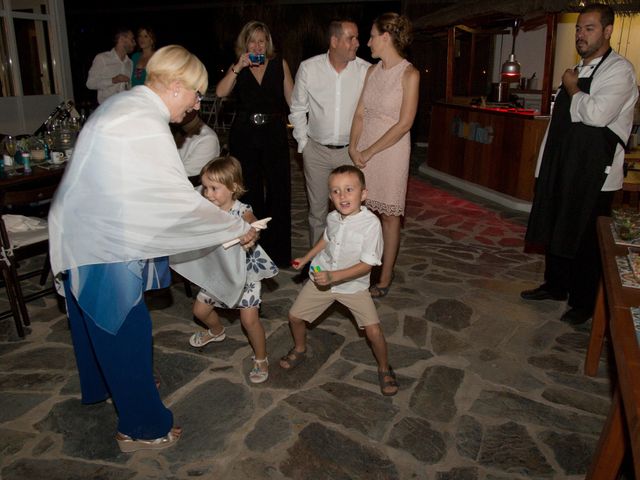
(58,44)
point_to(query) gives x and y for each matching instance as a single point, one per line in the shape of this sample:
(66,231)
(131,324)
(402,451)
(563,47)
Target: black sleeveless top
(268,97)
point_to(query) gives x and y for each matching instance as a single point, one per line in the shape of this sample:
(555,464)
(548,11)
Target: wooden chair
(15,247)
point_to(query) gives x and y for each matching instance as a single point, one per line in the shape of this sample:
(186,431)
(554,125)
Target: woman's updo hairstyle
(399,29)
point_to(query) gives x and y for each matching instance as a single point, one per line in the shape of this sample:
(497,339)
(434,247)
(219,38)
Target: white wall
(530,47)
(566,55)
(529,53)
(23,115)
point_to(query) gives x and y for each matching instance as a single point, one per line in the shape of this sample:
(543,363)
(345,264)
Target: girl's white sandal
(256,375)
(200,339)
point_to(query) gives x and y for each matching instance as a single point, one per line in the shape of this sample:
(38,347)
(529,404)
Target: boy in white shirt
(341,263)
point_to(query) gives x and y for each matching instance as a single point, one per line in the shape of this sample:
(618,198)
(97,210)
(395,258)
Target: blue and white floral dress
(259,267)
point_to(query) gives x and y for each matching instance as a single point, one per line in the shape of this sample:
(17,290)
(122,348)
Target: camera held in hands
(256,58)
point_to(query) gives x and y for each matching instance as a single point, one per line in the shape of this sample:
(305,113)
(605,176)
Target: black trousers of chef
(579,276)
(568,200)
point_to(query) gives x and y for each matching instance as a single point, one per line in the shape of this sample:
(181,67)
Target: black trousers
(579,276)
(263,152)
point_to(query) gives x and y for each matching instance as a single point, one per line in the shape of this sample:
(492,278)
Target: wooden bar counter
(496,148)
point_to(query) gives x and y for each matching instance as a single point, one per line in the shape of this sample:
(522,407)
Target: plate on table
(634,262)
(626,227)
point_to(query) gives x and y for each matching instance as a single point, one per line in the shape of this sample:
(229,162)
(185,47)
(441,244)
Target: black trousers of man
(580,276)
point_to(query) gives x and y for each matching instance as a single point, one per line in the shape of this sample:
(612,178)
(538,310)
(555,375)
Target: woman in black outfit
(258,138)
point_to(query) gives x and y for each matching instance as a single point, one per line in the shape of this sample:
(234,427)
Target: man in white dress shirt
(325,96)
(110,72)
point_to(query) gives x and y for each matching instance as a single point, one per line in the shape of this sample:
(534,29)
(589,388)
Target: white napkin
(258,225)
(20,223)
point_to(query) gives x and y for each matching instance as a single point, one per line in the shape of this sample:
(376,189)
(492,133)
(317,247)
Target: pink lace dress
(387,172)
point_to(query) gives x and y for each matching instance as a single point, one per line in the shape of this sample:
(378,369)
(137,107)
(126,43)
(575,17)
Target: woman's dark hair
(398,27)
(151,34)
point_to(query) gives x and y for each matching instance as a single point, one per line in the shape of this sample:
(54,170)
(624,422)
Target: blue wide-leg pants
(119,366)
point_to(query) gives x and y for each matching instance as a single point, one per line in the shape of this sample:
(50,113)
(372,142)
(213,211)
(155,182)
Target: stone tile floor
(491,386)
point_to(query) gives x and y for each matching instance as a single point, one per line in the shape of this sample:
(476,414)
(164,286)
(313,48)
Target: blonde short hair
(227,171)
(174,62)
(247,33)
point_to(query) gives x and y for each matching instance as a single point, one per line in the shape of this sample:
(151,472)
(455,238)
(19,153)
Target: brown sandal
(293,359)
(393,382)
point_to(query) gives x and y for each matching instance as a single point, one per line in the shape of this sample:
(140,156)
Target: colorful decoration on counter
(472,131)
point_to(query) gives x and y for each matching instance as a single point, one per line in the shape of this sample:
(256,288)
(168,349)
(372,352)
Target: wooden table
(612,315)
(39,176)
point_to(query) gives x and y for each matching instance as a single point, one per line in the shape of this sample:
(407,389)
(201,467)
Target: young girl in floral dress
(222,185)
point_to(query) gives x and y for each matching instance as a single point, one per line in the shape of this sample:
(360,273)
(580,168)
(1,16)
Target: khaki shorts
(312,301)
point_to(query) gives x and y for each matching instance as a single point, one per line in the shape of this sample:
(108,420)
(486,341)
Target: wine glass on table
(10,146)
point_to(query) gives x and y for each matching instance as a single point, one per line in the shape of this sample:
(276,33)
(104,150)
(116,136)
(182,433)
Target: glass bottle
(10,146)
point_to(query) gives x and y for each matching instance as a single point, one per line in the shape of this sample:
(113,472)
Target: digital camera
(257,58)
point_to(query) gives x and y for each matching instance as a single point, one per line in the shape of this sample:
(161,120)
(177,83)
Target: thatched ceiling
(469,11)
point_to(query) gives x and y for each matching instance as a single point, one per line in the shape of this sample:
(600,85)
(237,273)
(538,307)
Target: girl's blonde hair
(227,171)
(174,62)
(246,34)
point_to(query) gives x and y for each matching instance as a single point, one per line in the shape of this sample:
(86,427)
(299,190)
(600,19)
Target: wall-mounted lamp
(511,68)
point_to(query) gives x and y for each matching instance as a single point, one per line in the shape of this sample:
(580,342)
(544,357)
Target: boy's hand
(298,263)
(322,278)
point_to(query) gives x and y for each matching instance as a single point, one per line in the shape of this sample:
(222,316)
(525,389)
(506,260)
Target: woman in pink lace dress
(380,143)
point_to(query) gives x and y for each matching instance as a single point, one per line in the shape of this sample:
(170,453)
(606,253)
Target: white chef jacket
(610,103)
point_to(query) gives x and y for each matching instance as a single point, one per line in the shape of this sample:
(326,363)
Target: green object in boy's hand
(315,269)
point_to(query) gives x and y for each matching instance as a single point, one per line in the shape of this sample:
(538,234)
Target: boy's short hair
(349,169)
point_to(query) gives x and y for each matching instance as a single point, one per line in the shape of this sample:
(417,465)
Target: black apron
(572,172)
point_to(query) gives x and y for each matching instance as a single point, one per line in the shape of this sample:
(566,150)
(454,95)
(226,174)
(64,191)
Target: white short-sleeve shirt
(352,239)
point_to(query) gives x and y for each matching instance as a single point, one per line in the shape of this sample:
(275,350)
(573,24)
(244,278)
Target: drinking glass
(11,145)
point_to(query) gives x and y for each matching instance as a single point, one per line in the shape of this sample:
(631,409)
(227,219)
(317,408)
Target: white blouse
(125,194)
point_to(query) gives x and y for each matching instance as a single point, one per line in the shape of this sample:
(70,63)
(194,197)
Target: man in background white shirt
(327,88)
(110,72)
